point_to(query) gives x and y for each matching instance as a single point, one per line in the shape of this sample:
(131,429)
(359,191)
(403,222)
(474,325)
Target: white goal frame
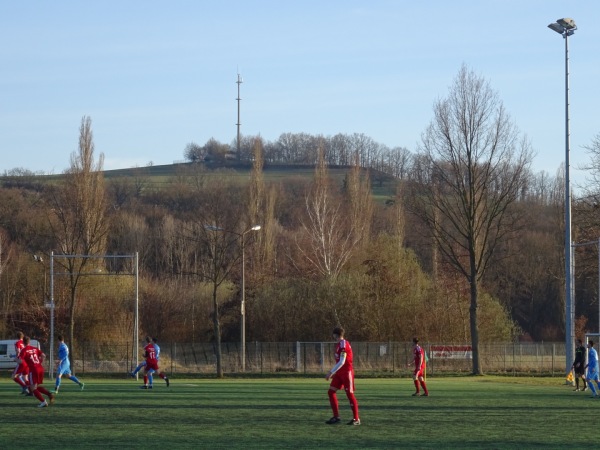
(134,258)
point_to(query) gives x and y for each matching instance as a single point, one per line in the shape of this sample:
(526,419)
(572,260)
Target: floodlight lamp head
(255,228)
(567,23)
(556,27)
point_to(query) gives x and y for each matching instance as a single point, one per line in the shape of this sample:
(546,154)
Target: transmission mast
(239,81)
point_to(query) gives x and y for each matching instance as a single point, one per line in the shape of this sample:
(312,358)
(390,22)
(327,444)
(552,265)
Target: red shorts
(419,372)
(36,375)
(21,369)
(151,364)
(343,380)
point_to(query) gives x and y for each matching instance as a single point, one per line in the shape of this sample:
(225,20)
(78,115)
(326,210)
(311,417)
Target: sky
(154,76)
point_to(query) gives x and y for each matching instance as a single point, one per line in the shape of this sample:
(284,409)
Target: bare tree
(79,223)
(331,231)
(474,166)
(215,231)
(194,152)
(593,150)
(261,212)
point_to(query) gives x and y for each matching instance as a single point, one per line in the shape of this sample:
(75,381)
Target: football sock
(577,383)
(20,382)
(74,379)
(145,380)
(333,401)
(353,404)
(150,379)
(417,385)
(424,386)
(38,395)
(43,390)
(57,383)
(584,383)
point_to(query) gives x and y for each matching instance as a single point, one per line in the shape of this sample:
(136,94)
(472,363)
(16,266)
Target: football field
(462,412)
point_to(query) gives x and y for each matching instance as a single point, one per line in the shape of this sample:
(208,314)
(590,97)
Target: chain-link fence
(317,357)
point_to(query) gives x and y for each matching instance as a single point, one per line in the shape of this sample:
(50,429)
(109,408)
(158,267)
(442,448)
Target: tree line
(467,249)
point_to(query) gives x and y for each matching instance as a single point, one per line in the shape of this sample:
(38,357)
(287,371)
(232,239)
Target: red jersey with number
(344,347)
(419,356)
(32,356)
(150,353)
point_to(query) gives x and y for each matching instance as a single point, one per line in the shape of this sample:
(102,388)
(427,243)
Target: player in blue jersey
(592,368)
(64,366)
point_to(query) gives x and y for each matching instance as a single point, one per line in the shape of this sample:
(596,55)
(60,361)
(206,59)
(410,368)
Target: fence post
(514,364)
(297,356)
(173,356)
(322,357)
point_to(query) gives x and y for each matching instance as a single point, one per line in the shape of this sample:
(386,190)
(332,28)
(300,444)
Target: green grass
(482,412)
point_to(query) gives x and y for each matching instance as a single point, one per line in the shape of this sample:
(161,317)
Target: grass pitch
(469,412)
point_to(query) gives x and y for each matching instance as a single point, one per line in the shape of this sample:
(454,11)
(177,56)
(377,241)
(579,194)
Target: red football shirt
(419,356)
(150,352)
(18,347)
(32,356)
(344,347)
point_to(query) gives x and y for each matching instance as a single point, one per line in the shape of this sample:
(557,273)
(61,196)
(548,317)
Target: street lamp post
(243,302)
(566,27)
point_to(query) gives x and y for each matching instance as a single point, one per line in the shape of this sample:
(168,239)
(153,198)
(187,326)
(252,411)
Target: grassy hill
(158,176)
(384,186)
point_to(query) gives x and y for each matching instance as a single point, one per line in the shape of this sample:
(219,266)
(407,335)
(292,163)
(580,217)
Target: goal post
(106,266)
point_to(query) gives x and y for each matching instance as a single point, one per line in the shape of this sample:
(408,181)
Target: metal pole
(569,306)
(51,350)
(243,306)
(137,305)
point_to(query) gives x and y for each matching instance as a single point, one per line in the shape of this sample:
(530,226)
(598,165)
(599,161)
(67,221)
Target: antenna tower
(239,81)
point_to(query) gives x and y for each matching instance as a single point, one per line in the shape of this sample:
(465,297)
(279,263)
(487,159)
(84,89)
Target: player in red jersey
(34,358)
(342,377)
(419,373)
(21,373)
(151,366)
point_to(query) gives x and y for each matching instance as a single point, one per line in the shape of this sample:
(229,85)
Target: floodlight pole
(566,27)
(51,349)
